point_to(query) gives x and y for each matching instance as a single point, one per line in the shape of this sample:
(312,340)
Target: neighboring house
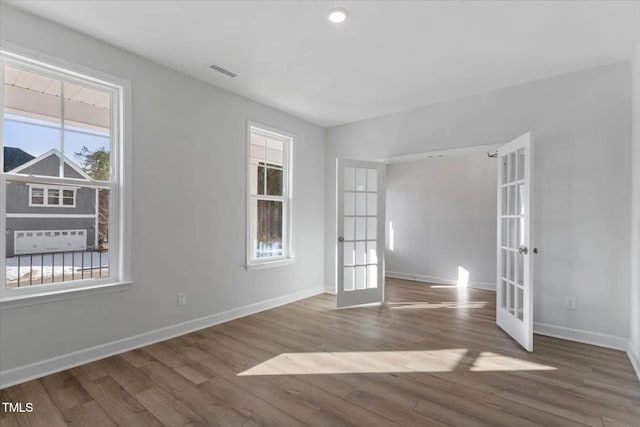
(48,218)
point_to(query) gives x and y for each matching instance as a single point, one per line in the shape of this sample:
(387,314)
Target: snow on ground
(48,266)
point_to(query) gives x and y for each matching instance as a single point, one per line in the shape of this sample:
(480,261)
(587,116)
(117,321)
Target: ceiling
(389,56)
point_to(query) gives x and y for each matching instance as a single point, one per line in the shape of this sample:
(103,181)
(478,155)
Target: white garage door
(39,241)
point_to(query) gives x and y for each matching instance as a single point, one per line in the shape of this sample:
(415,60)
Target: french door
(514,304)
(361,239)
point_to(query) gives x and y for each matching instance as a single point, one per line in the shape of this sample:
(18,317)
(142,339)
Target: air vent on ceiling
(223,71)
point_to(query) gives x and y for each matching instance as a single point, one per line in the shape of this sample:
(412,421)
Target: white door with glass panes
(514,305)
(360,240)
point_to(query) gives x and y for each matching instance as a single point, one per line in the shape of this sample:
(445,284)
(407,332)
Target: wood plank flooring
(431,356)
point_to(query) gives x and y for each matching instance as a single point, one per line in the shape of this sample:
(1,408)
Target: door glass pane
(349,203)
(372,253)
(513,232)
(372,204)
(349,179)
(512,200)
(361,256)
(504,232)
(522,208)
(519,303)
(372,224)
(520,269)
(504,168)
(520,232)
(348,228)
(505,201)
(512,167)
(361,204)
(511,298)
(372,180)
(512,266)
(505,263)
(503,294)
(361,179)
(372,276)
(521,164)
(361,276)
(361,228)
(349,253)
(348,278)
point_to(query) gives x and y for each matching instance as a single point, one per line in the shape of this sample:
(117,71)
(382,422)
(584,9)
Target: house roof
(14,157)
(52,152)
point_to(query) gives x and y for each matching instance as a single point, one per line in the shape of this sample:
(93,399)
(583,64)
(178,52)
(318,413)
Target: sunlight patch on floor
(426,304)
(487,361)
(367,362)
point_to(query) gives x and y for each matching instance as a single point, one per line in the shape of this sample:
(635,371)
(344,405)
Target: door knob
(341,239)
(523,250)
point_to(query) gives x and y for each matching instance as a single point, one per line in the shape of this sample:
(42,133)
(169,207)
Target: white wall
(582,128)
(443,213)
(189,153)
(635,228)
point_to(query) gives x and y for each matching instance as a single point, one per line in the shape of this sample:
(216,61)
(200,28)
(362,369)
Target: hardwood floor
(431,356)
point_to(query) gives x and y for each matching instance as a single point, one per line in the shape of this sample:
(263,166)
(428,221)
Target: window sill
(59,295)
(270,264)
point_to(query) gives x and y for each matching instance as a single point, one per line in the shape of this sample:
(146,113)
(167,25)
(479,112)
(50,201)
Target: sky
(37,140)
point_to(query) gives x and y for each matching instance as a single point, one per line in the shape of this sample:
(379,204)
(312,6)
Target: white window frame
(46,189)
(288,255)
(119,206)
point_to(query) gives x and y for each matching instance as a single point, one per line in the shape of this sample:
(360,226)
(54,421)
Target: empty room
(319,213)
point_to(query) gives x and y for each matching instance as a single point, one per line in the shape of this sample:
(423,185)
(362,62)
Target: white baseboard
(635,360)
(579,335)
(35,370)
(439,280)
(330,289)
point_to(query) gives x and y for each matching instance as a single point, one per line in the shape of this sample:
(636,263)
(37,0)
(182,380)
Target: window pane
(87,122)
(44,250)
(53,197)
(32,127)
(274,181)
(266,228)
(37,196)
(256,164)
(275,152)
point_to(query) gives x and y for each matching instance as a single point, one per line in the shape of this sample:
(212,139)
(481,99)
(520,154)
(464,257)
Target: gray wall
(635,229)
(188,187)
(443,212)
(582,128)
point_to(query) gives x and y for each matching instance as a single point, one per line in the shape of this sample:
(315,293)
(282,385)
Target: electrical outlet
(570,303)
(182,298)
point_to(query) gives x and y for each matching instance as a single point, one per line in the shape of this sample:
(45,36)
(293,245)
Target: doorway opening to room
(454,218)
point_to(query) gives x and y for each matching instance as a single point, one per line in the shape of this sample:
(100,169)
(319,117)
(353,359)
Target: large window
(60,182)
(269,204)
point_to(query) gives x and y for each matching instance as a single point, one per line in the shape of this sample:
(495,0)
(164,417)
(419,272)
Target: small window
(269,216)
(53,196)
(37,196)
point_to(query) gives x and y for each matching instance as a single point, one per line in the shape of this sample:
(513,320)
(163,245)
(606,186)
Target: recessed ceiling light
(337,15)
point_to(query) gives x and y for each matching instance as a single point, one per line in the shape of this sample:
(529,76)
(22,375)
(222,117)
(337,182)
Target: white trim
(490,148)
(52,365)
(52,152)
(270,263)
(35,215)
(582,336)
(487,286)
(634,359)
